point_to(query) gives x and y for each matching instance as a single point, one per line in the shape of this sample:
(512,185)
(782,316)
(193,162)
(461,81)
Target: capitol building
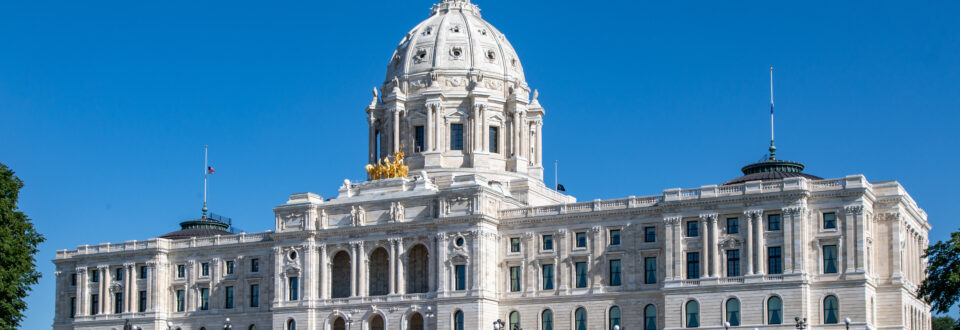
(470,234)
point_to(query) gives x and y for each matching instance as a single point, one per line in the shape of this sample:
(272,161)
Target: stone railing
(161,243)
(676,194)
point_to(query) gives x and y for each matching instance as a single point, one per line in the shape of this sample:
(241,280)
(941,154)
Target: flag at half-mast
(210,170)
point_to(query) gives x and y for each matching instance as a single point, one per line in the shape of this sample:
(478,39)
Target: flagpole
(773,149)
(205,181)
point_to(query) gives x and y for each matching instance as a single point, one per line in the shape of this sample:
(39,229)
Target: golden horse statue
(386,169)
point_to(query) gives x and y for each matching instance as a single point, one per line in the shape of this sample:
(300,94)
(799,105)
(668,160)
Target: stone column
(704,248)
(372,157)
(396,129)
(484,132)
(102,287)
(748,243)
(392,272)
(132,295)
(324,273)
(668,250)
(761,242)
(679,250)
(440,262)
(81,291)
(278,285)
(354,264)
(309,280)
(858,246)
(786,228)
(714,246)
(434,264)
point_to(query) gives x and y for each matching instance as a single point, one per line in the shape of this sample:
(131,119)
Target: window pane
(650,234)
(733,312)
(774,311)
(615,237)
(580,319)
(515,279)
(458,320)
(548,277)
(614,316)
(614,272)
(514,244)
(733,263)
(692,229)
(294,293)
(204,299)
(142,302)
(774,260)
(733,225)
(456,136)
(461,271)
(581,239)
(548,242)
(829,259)
(650,270)
(650,317)
(830,310)
(514,320)
(228,297)
(254,295)
(494,139)
(829,220)
(547,320)
(693,314)
(773,222)
(693,265)
(419,138)
(581,274)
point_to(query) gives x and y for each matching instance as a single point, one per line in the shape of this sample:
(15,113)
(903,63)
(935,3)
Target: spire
(773,148)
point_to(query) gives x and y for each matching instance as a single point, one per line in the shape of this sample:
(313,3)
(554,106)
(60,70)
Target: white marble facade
(473,235)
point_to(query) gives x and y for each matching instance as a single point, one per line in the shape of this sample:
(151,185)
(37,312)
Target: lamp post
(847,322)
(227,325)
(169,325)
(801,323)
(726,325)
(617,327)
(498,325)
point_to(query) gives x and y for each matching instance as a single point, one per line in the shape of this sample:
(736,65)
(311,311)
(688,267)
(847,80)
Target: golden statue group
(386,169)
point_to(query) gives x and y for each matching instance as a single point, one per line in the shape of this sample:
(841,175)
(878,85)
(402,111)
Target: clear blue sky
(104,105)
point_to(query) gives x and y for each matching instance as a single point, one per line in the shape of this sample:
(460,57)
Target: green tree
(942,287)
(945,323)
(18,245)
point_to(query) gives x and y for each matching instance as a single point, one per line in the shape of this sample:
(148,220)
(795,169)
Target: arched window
(774,310)
(514,320)
(546,320)
(417,269)
(614,316)
(339,324)
(458,320)
(693,314)
(379,269)
(416,322)
(340,277)
(733,312)
(291,324)
(831,310)
(650,317)
(580,319)
(376,322)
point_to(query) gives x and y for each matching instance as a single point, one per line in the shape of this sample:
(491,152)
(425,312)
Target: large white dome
(456,38)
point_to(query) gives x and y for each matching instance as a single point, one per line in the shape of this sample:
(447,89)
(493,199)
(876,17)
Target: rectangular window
(614,236)
(693,265)
(95,276)
(229,267)
(204,299)
(205,269)
(118,274)
(94,304)
(581,239)
(73,279)
(733,225)
(254,265)
(615,272)
(73,307)
(581,274)
(514,279)
(254,295)
(650,234)
(773,222)
(142,301)
(774,260)
(548,277)
(118,302)
(143,272)
(494,139)
(294,286)
(693,228)
(181,271)
(548,242)
(180,300)
(228,297)
(418,138)
(830,259)
(461,271)
(456,136)
(733,263)
(514,244)
(650,270)
(829,220)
